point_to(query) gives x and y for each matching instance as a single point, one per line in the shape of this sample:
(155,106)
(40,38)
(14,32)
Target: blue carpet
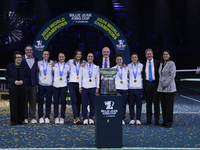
(185,132)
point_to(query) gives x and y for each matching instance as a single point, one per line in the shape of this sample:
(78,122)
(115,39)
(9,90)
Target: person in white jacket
(88,86)
(45,86)
(135,88)
(60,72)
(167,87)
(121,81)
(74,68)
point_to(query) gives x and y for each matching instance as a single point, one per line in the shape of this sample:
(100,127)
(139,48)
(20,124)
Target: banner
(81,18)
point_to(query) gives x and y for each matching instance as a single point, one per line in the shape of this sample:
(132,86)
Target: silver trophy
(108,82)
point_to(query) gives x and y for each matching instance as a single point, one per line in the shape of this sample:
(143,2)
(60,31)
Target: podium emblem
(109,104)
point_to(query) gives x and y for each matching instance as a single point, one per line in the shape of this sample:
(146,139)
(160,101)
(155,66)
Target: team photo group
(152,80)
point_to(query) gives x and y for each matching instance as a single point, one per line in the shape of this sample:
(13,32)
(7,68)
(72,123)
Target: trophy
(108,82)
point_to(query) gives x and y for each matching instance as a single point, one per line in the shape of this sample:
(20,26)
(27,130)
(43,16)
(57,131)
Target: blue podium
(108,121)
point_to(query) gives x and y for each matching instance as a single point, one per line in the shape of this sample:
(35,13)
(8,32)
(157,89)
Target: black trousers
(17,105)
(152,96)
(167,104)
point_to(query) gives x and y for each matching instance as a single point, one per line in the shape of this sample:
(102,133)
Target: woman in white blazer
(60,72)
(167,87)
(45,86)
(88,86)
(135,89)
(74,68)
(121,82)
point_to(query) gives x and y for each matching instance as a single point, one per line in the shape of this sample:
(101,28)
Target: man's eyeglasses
(29,50)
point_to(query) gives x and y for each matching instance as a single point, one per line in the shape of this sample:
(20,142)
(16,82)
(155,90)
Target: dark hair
(28,46)
(90,53)
(170,58)
(81,60)
(134,53)
(119,55)
(49,54)
(61,53)
(15,53)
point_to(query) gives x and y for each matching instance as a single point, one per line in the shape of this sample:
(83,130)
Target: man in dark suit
(150,84)
(105,61)
(31,62)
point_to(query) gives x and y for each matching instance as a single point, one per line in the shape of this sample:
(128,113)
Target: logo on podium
(109,104)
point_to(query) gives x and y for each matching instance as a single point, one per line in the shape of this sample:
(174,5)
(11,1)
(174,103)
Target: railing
(3,84)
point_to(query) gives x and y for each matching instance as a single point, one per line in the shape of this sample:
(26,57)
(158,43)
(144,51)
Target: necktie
(150,72)
(105,64)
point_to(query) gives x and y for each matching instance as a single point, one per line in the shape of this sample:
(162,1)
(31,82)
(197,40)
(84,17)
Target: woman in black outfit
(17,76)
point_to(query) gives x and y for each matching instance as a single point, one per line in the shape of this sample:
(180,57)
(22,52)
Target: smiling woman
(167,87)
(17,75)
(88,86)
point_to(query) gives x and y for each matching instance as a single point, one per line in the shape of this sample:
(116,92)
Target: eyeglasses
(18,57)
(29,50)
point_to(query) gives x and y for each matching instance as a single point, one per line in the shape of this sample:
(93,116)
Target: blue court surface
(184,134)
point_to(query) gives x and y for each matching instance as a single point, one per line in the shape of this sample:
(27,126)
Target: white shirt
(138,84)
(84,77)
(108,62)
(49,75)
(72,71)
(30,61)
(118,84)
(56,80)
(147,69)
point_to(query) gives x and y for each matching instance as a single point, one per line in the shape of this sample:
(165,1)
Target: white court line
(190,98)
(83,148)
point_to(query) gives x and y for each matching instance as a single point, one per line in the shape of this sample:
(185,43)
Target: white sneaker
(25,121)
(91,121)
(62,121)
(33,121)
(57,120)
(132,122)
(47,120)
(85,122)
(123,122)
(138,122)
(41,120)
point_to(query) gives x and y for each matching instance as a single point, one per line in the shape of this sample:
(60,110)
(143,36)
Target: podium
(108,121)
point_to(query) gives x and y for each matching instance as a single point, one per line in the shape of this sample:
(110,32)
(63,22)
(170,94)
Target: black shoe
(168,126)
(148,123)
(21,123)
(13,124)
(162,124)
(156,123)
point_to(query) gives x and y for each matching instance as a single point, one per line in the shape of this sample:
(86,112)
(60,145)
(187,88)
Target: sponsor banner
(81,18)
